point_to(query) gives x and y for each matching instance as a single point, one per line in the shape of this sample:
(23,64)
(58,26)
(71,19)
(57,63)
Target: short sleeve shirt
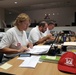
(14,39)
(47,32)
(35,35)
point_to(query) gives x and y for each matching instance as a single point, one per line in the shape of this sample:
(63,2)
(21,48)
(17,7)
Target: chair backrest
(1,56)
(2,30)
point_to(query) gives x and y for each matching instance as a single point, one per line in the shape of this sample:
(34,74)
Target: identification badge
(18,44)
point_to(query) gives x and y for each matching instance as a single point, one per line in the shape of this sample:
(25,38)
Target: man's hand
(30,45)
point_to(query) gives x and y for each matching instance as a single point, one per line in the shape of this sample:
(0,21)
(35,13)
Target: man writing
(37,36)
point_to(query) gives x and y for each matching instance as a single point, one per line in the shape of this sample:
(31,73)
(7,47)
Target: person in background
(50,26)
(15,39)
(36,35)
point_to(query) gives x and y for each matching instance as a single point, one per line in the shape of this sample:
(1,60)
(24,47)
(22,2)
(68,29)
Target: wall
(10,18)
(2,17)
(63,16)
(58,29)
(65,28)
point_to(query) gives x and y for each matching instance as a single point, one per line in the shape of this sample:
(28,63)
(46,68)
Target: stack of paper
(69,43)
(30,62)
(39,49)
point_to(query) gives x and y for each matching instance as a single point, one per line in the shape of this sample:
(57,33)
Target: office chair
(2,30)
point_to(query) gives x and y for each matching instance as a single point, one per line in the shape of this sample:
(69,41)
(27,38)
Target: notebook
(47,58)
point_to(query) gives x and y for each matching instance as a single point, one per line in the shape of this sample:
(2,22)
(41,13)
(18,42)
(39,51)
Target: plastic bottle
(64,38)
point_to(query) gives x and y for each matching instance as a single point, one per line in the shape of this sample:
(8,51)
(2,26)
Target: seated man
(36,35)
(50,26)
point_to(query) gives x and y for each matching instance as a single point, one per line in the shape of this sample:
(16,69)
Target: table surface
(44,68)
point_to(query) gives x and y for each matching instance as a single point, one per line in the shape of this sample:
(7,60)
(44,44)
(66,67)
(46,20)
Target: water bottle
(64,38)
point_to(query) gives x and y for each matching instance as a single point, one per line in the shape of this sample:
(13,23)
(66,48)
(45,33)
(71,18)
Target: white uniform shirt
(35,35)
(14,39)
(47,32)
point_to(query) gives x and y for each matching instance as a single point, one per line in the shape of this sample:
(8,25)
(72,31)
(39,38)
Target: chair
(2,30)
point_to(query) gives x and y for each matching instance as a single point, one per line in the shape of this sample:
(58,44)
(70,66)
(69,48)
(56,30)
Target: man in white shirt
(36,35)
(50,26)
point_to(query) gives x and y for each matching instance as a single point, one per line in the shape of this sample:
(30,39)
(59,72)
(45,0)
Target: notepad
(6,66)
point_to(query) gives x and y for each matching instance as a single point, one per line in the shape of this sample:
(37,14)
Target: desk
(43,68)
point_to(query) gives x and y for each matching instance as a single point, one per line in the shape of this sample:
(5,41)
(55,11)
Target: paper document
(69,43)
(30,62)
(39,49)
(23,58)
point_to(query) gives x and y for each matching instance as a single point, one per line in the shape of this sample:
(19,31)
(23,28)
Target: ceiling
(19,6)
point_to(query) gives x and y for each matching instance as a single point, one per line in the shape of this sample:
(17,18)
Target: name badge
(18,44)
